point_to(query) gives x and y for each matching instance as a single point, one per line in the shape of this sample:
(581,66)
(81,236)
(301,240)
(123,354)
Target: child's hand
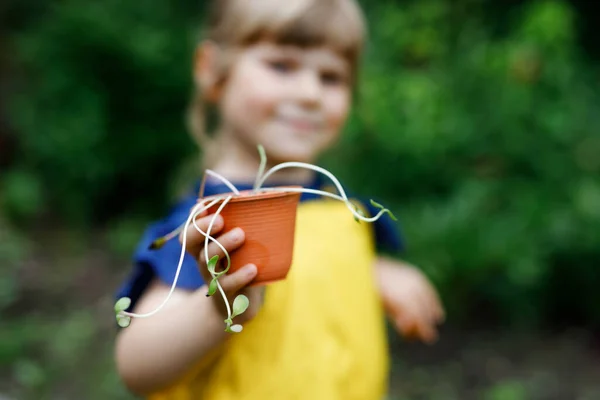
(233,283)
(410,300)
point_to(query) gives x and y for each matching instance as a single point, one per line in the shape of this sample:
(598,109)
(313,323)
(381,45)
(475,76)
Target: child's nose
(308,90)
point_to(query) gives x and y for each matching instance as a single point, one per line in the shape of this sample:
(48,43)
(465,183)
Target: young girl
(281,76)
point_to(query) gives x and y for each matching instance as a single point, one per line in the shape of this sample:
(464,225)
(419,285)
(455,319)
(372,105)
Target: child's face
(293,101)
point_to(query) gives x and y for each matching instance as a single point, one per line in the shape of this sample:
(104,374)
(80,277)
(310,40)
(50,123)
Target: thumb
(239,279)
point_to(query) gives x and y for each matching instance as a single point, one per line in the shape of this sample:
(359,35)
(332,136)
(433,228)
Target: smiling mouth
(301,124)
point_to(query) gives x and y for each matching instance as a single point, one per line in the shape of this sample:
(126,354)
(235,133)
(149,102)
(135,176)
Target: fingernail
(251,269)
(237,234)
(218,220)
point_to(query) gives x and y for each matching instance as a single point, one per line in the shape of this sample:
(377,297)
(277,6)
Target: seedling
(241,302)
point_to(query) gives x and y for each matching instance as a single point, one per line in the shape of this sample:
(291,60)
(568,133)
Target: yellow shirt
(320,334)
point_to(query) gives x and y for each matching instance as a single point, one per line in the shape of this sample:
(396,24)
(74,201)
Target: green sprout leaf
(240,304)
(261,167)
(123,320)
(262,153)
(232,328)
(375,204)
(158,243)
(122,304)
(212,287)
(212,264)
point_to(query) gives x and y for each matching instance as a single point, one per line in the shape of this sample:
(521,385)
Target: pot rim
(249,195)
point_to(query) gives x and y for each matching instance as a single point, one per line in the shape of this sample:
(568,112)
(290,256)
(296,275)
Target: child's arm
(409,299)
(155,352)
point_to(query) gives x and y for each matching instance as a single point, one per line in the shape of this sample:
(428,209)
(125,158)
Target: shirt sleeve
(161,263)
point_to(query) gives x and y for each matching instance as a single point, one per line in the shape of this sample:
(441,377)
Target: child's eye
(332,78)
(281,66)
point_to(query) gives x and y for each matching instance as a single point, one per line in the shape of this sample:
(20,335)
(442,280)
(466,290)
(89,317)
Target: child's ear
(206,69)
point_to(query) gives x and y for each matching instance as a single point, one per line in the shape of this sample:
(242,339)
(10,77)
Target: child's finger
(230,240)
(415,328)
(424,305)
(194,240)
(407,326)
(435,305)
(440,312)
(430,303)
(237,280)
(414,321)
(425,323)
(435,311)
(428,333)
(407,317)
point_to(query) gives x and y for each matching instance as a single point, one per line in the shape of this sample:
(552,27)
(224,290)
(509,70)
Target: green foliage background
(477,121)
(486,143)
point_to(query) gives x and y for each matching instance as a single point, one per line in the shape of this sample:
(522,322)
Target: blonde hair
(233,24)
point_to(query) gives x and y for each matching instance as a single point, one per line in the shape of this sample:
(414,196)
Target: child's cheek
(260,98)
(337,110)
(245,105)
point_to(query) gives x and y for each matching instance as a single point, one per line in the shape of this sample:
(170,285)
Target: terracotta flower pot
(269,221)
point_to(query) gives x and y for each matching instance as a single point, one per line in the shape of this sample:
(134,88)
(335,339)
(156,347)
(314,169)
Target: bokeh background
(477,123)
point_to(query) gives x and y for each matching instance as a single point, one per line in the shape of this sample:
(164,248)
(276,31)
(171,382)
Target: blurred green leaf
(29,373)
(21,195)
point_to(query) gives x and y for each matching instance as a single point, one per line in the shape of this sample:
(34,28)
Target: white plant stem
(212,221)
(301,190)
(215,241)
(294,164)
(198,208)
(224,180)
(323,171)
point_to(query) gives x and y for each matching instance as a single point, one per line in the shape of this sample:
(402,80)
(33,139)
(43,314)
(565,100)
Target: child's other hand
(233,283)
(410,300)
